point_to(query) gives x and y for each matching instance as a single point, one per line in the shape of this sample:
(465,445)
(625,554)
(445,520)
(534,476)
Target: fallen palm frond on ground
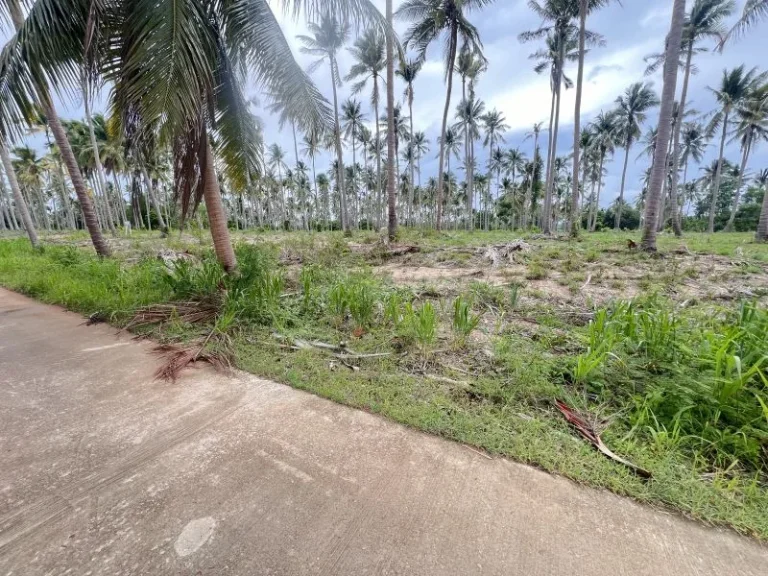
(192,312)
(177,358)
(586,430)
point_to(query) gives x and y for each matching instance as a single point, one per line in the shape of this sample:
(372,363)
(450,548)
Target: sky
(632,30)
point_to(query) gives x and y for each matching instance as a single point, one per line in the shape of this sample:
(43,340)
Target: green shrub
(464,322)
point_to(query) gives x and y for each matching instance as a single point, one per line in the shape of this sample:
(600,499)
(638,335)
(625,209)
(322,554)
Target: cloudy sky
(632,30)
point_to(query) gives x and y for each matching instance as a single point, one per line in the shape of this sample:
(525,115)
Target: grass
(483,363)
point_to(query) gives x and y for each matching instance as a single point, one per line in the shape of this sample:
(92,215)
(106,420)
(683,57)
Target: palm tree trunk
(761,235)
(410,162)
(451,63)
(43,208)
(60,136)
(718,175)
(620,203)
(95,147)
(391,136)
(355,207)
(547,222)
(549,142)
(86,206)
(339,153)
(676,146)
(659,170)
(575,220)
(379,192)
(153,199)
(11,212)
(666,191)
(217,217)
(737,197)
(21,205)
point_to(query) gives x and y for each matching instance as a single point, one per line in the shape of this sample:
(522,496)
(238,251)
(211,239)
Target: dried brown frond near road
(176,358)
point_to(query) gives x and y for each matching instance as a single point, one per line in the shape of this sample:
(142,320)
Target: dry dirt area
(556,272)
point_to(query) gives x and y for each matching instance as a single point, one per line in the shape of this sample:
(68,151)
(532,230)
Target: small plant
(362,303)
(536,271)
(464,322)
(307,278)
(393,310)
(339,302)
(425,326)
(514,295)
(419,325)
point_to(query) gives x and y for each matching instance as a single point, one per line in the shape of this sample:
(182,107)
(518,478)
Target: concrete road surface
(104,470)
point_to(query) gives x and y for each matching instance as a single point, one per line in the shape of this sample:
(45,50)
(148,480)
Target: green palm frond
(252,25)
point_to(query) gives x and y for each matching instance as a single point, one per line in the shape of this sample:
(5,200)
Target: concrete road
(104,470)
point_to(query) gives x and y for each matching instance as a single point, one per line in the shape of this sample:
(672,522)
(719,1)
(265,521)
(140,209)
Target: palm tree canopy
(632,109)
(434,18)
(735,85)
(369,52)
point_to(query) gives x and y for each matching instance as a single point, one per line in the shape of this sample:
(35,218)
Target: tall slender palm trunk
(676,152)
(96,156)
(410,162)
(217,217)
(21,204)
(379,183)
(60,136)
(546,227)
(659,170)
(339,153)
(575,219)
(737,197)
(620,203)
(440,176)
(761,235)
(718,175)
(153,198)
(391,136)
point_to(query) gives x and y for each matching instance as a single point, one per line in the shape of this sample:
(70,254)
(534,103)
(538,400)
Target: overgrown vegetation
(676,384)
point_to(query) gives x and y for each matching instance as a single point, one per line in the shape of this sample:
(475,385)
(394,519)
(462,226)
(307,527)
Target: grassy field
(463,336)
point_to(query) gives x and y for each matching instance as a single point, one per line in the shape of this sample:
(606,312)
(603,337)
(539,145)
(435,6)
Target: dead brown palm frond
(177,358)
(191,312)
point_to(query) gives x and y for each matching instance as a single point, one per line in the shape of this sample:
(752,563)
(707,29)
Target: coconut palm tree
(514,160)
(310,149)
(29,172)
(431,20)
(751,127)
(632,109)
(606,130)
(369,52)
(469,114)
(585,6)
(663,133)
(178,93)
(735,85)
(31,82)
(562,40)
(560,48)
(531,169)
(449,146)
(408,71)
(761,180)
(494,126)
(753,12)
(693,145)
(352,123)
(328,37)
(420,146)
(705,21)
